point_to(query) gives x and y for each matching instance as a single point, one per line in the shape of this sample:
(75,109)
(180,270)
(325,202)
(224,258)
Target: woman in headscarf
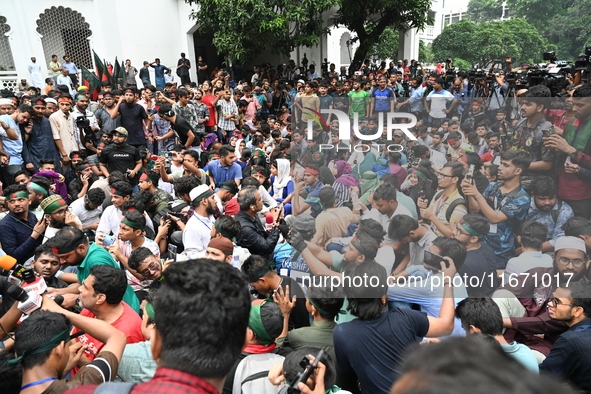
(282,183)
(368,183)
(365,165)
(343,182)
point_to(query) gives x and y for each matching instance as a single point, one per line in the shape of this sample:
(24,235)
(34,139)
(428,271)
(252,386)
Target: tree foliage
(387,46)
(425,53)
(370,18)
(481,44)
(480,11)
(242,29)
(570,31)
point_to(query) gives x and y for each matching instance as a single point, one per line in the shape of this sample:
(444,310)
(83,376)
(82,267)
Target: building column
(408,45)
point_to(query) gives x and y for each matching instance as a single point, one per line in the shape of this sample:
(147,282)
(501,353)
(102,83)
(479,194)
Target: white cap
(49,100)
(570,243)
(198,191)
(4,101)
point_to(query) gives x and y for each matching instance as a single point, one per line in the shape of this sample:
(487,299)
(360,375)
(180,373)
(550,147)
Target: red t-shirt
(129,323)
(208,100)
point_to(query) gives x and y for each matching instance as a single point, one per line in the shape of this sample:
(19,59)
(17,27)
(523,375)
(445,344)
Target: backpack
(452,206)
(556,212)
(251,374)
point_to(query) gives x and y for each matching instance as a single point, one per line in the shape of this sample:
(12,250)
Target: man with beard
(548,209)
(16,236)
(197,233)
(56,210)
(39,140)
(81,110)
(523,299)
(133,118)
(120,193)
(570,356)
(38,188)
(121,156)
(46,265)
(103,115)
(89,208)
(72,248)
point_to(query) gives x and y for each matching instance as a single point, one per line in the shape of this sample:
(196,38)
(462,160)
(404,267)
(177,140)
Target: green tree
(370,18)
(387,46)
(243,29)
(481,44)
(571,30)
(425,53)
(538,12)
(480,11)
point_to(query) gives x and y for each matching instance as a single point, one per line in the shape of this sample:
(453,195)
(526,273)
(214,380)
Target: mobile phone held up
(433,260)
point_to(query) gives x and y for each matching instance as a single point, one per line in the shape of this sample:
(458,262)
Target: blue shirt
(416,99)
(383,98)
(41,144)
(570,357)
(221,174)
(523,354)
(514,205)
(13,147)
(545,217)
(71,67)
(15,236)
(297,270)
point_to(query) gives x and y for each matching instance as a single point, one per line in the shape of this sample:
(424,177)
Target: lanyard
(37,382)
(503,201)
(205,224)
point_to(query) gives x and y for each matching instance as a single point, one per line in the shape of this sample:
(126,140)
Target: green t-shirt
(97,255)
(358,101)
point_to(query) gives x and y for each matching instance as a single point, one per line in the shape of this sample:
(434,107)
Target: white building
(135,30)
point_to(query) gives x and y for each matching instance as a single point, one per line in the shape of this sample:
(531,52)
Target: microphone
(18,293)
(270,221)
(9,264)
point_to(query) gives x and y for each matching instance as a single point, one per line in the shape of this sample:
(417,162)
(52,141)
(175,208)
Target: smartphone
(108,240)
(280,207)
(434,260)
(172,250)
(471,173)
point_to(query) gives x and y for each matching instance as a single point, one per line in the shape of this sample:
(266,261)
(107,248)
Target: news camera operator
(85,123)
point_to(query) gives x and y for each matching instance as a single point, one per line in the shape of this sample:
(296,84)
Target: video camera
(83,125)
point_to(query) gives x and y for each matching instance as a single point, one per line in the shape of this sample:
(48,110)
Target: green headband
(255,322)
(54,206)
(254,278)
(68,248)
(149,309)
(205,194)
(131,224)
(358,246)
(217,226)
(17,195)
(330,201)
(232,190)
(92,202)
(38,188)
(470,230)
(323,312)
(63,336)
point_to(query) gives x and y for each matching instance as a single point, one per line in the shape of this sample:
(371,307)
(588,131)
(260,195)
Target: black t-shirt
(480,262)
(299,316)
(182,128)
(132,119)
(122,159)
(374,349)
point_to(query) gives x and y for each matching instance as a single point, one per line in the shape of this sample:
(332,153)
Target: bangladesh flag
(91,81)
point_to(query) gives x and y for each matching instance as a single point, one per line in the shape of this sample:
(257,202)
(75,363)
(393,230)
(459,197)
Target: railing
(8,80)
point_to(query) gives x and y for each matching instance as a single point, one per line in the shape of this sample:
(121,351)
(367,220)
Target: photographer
(85,123)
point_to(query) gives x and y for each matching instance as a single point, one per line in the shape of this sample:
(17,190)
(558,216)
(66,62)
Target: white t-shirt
(384,220)
(439,103)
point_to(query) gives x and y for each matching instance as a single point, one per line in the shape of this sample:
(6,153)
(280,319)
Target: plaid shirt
(202,113)
(165,381)
(227,108)
(189,113)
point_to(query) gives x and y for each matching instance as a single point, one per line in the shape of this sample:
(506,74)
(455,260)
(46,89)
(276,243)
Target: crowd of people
(214,236)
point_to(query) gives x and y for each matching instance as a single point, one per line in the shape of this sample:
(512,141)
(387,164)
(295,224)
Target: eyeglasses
(459,232)
(578,263)
(440,175)
(152,268)
(61,213)
(555,302)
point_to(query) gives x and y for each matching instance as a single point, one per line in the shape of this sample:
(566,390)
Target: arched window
(6,60)
(65,32)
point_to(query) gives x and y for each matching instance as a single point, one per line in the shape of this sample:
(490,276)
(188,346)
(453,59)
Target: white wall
(129,29)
